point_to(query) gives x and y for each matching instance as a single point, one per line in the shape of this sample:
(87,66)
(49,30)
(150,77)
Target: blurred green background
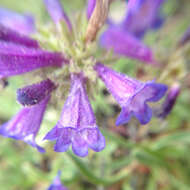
(151,157)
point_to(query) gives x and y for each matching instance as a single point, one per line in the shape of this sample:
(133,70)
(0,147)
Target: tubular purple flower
(23,24)
(131,94)
(26,124)
(77,126)
(90,8)
(170,101)
(16,59)
(125,44)
(35,93)
(9,35)
(143,15)
(56,12)
(57,185)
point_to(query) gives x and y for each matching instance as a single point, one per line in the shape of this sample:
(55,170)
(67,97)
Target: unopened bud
(170,101)
(97,19)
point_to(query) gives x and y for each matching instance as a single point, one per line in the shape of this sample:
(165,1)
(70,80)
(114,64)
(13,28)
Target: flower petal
(10,35)
(23,24)
(79,145)
(64,140)
(17,59)
(93,138)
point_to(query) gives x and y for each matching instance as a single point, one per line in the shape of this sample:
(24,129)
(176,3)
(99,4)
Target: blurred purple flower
(123,43)
(131,94)
(170,101)
(123,38)
(56,12)
(77,126)
(57,185)
(143,15)
(26,124)
(24,24)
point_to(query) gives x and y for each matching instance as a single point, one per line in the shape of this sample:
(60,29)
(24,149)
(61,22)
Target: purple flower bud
(16,59)
(56,185)
(23,24)
(170,101)
(131,94)
(143,15)
(90,8)
(35,93)
(77,126)
(125,44)
(26,124)
(56,12)
(10,35)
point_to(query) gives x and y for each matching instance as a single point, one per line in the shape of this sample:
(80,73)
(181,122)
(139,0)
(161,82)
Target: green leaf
(90,176)
(179,137)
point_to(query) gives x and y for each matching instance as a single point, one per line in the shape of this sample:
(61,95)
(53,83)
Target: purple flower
(142,15)
(131,94)
(77,125)
(56,185)
(123,43)
(26,124)
(23,24)
(56,12)
(170,101)
(17,59)
(90,7)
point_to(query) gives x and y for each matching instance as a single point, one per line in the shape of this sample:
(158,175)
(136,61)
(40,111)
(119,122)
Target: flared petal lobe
(57,185)
(26,124)
(77,125)
(23,24)
(56,12)
(35,93)
(125,44)
(90,7)
(10,35)
(131,94)
(143,15)
(17,59)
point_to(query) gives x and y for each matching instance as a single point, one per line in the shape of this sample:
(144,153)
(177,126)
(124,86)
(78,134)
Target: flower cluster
(77,126)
